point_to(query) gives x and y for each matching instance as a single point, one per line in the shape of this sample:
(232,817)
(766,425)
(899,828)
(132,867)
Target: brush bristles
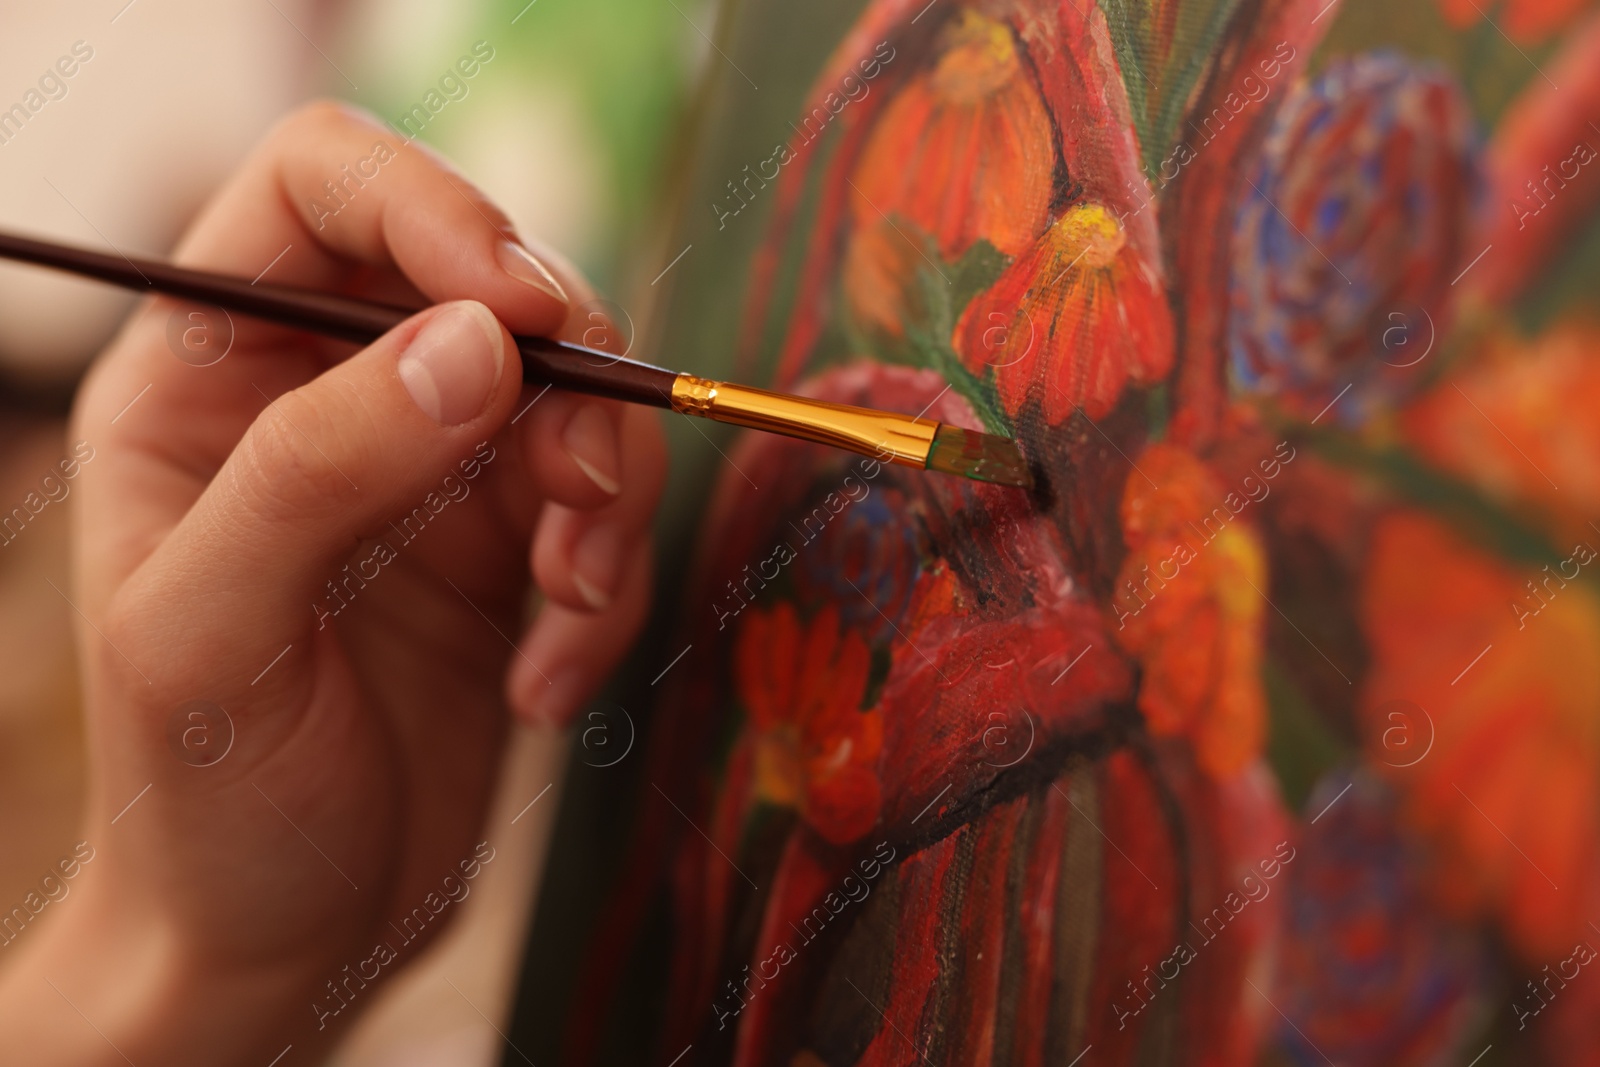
(983,456)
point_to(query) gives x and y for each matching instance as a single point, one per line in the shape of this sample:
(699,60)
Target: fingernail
(520,264)
(590,439)
(597,564)
(451,367)
(553,702)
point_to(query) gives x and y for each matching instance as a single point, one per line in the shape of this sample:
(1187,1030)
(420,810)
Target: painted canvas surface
(1266,728)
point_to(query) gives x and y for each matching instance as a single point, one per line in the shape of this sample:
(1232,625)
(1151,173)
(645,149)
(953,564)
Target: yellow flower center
(1087,236)
(979,58)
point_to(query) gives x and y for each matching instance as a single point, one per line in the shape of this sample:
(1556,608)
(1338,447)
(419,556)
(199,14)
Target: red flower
(1528,21)
(960,149)
(1072,321)
(956,156)
(814,748)
(966,148)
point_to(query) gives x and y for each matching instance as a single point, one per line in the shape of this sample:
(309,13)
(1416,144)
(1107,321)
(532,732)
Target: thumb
(322,467)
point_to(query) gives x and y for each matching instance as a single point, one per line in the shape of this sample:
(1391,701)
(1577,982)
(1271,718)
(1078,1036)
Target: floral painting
(1266,727)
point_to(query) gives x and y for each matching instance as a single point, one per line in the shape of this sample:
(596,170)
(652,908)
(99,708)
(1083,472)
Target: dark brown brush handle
(544,361)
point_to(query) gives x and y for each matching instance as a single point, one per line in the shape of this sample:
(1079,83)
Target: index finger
(340,188)
(331,200)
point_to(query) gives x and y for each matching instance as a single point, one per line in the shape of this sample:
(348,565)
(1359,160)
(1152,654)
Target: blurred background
(573,127)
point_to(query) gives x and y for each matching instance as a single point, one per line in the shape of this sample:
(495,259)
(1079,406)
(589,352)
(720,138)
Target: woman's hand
(332,549)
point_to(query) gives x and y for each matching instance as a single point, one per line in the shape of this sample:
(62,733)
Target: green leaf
(1485,522)
(1161,67)
(935,295)
(1300,746)
(946,293)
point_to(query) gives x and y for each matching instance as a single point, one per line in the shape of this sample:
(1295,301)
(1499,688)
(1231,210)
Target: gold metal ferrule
(882,435)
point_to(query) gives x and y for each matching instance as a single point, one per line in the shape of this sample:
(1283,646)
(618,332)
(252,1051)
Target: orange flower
(1507,426)
(961,150)
(1071,321)
(1525,20)
(815,749)
(1189,609)
(1510,789)
(961,154)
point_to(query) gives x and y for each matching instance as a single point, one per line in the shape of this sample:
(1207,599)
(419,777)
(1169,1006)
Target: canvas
(1266,727)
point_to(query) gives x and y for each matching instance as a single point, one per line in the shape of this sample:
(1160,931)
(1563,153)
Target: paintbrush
(907,440)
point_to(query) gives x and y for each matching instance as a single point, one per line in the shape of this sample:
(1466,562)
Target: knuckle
(281,468)
(131,629)
(431,158)
(123,625)
(551,562)
(326,115)
(498,220)
(553,549)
